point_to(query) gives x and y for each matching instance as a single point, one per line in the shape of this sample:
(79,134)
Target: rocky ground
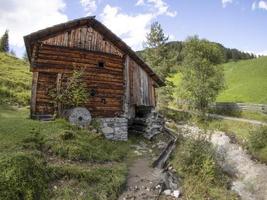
(250,180)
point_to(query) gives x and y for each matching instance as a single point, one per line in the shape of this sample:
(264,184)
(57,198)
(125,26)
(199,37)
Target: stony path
(251,177)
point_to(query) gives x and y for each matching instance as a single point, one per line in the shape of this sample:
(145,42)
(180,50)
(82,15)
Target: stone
(79,116)
(176,193)
(107,130)
(167,192)
(114,128)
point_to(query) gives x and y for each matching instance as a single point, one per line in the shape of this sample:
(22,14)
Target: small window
(101,64)
(93,92)
(103,100)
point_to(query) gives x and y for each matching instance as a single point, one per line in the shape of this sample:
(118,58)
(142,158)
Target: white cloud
(140,2)
(89,6)
(259,5)
(22,17)
(263,5)
(158,7)
(133,28)
(254,5)
(226,2)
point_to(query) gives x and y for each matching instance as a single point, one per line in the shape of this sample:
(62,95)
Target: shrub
(197,163)
(22,177)
(258,138)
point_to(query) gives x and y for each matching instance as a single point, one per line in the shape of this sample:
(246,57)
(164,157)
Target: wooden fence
(240,106)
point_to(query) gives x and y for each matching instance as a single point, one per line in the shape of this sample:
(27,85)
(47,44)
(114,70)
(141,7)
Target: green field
(15,80)
(246,81)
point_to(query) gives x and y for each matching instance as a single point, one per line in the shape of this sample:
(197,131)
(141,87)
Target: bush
(22,177)
(196,162)
(258,138)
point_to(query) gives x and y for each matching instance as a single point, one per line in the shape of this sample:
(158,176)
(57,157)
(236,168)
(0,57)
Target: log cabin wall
(106,82)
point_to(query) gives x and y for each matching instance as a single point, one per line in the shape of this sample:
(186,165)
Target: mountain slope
(15,80)
(246,81)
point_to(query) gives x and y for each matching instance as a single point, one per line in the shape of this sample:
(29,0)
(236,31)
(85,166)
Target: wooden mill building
(117,79)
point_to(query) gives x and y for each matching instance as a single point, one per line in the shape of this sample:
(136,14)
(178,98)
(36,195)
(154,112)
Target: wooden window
(101,64)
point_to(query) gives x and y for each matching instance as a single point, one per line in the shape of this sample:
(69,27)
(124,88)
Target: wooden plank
(58,86)
(34,90)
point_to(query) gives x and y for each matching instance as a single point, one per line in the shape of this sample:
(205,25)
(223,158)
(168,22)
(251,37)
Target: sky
(240,24)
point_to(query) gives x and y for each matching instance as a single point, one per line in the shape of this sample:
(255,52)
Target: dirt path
(254,122)
(251,177)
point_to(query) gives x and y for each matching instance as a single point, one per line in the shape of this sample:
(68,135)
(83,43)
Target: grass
(246,81)
(87,166)
(15,80)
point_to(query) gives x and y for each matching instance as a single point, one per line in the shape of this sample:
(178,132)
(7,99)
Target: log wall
(107,82)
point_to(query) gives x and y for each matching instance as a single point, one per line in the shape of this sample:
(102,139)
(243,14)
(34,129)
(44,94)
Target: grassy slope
(85,164)
(15,80)
(246,81)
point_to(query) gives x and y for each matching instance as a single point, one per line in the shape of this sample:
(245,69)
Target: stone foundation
(114,128)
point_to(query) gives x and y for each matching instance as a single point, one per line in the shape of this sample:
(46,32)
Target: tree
(4,44)
(157,57)
(202,76)
(156,37)
(156,50)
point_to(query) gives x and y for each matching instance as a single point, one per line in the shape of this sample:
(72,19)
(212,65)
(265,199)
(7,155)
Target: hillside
(174,53)
(15,79)
(246,81)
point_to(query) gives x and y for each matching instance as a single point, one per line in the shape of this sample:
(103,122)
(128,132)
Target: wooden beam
(58,85)
(34,91)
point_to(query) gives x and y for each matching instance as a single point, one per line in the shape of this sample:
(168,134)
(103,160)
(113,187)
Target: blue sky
(238,24)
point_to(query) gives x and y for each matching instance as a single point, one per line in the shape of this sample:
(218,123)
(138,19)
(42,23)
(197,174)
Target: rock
(167,192)
(79,116)
(176,193)
(114,128)
(107,130)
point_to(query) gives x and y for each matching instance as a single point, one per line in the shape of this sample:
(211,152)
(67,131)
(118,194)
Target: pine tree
(157,57)
(4,44)
(156,50)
